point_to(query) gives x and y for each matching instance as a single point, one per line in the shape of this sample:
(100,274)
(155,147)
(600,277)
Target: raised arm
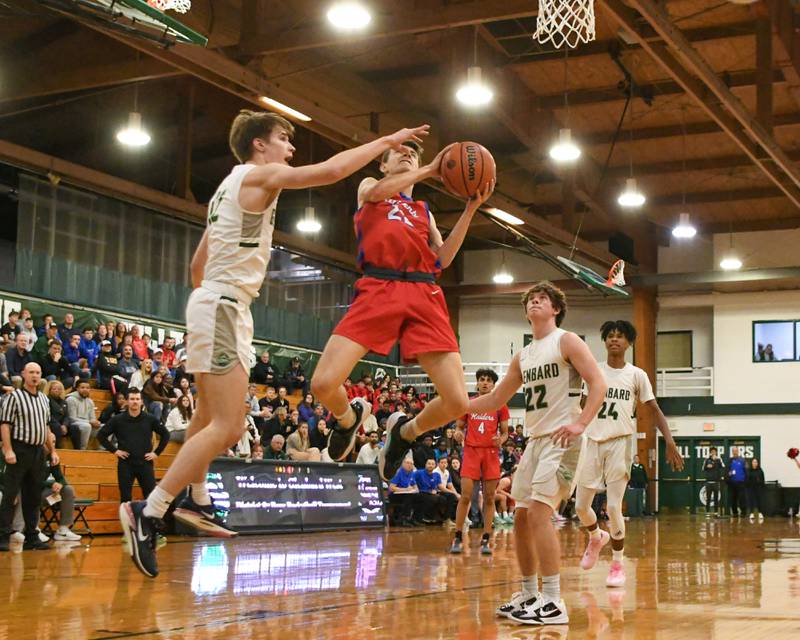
(577,353)
(503,391)
(447,249)
(274,176)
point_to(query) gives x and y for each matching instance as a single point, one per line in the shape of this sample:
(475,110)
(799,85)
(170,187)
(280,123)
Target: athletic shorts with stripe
(385,311)
(546,472)
(607,461)
(220,329)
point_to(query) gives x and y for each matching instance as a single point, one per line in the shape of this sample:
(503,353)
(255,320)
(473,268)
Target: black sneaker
(486,547)
(34,544)
(341,439)
(390,458)
(140,534)
(204,518)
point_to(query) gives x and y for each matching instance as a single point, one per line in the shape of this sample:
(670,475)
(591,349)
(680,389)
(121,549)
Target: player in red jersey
(486,433)
(401,253)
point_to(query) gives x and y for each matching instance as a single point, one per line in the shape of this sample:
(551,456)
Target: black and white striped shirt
(28,415)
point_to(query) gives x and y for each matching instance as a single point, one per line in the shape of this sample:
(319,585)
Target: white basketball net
(567,22)
(179,6)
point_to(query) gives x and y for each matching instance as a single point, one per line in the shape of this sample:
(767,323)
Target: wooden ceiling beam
(786,41)
(400,19)
(699,81)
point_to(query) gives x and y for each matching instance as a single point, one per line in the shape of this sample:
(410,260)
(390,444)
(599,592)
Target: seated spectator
(244,448)
(446,489)
(67,329)
(257,452)
(72,354)
(519,436)
(28,330)
(157,395)
(403,492)
(59,420)
(108,372)
(178,419)
(181,372)
(275,449)
(148,343)
(183,388)
(319,434)
(503,501)
(100,335)
(349,388)
(319,414)
(294,421)
(431,503)
(16,359)
(306,407)
(168,356)
(120,331)
(158,359)
(441,452)
(278,423)
(509,461)
(127,365)
(384,411)
(455,473)
(298,445)
(296,377)
(12,328)
(254,410)
(452,445)
(56,367)
(142,375)
(424,451)
(368,454)
(264,372)
(42,345)
(180,349)
(47,320)
(88,348)
(282,400)
(270,399)
(138,344)
(55,485)
(118,404)
(81,413)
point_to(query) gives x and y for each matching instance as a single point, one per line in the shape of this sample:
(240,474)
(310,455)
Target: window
(674,350)
(775,340)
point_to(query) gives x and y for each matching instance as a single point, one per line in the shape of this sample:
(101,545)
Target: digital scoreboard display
(281,495)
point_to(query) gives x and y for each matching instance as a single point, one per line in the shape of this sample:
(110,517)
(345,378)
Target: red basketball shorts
(385,311)
(480,463)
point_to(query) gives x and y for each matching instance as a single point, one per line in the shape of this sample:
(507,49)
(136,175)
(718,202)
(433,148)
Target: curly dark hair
(623,326)
(489,373)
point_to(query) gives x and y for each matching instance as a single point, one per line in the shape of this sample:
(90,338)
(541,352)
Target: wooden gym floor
(687,578)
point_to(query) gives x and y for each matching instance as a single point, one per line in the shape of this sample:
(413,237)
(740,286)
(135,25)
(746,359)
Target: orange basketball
(467,167)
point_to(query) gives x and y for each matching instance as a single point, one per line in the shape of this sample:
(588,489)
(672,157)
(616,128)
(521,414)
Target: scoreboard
(281,495)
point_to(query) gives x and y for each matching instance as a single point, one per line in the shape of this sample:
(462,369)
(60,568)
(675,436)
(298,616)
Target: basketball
(793,452)
(467,167)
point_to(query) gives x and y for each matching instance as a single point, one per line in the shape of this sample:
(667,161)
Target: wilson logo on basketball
(472,160)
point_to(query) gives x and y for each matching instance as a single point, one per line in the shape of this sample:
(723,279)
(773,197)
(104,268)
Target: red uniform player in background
(486,433)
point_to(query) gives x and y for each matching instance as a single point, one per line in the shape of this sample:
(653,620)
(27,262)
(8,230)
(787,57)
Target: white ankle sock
(530,584)
(616,556)
(594,534)
(409,430)
(551,587)
(200,493)
(157,503)
(347,419)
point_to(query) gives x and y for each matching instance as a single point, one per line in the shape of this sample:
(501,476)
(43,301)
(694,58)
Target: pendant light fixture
(730,261)
(309,223)
(564,150)
(503,276)
(475,92)
(631,197)
(134,134)
(684,229)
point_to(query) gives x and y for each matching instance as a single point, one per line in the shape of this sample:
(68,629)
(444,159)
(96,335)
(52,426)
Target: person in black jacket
(296,377)
(713,471)
(134,431)
(16,359)
(56,367)
(58,416)
(753,486)
(264,372)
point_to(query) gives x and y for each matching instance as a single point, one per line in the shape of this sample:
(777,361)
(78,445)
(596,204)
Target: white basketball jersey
(239,241)
(617,415)
(552,386)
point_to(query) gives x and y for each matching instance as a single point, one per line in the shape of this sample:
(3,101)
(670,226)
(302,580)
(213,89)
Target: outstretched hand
(480,197)
(435,166)
(416,134)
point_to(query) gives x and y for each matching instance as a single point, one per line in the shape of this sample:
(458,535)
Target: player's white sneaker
(760,517)
(593,549)
(516,601)
(544,611)
(616,575)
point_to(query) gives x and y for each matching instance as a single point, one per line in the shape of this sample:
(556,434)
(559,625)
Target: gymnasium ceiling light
(474,93)
(684,228)
(349,16)
(505,216)
(133,135)
(565,150)
(503,276)
(309,223)
(631,198)
(730,261)
(279,106)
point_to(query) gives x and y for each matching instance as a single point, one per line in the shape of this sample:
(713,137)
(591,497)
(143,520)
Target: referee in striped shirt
(24,420)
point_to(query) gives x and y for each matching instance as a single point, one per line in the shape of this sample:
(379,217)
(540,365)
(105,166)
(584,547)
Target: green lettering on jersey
(213,207)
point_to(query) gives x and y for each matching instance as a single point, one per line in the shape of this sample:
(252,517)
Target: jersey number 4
(531,403)
(396,214)
(608,411)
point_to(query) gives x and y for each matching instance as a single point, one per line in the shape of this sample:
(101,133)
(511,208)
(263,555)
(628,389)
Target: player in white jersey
(611,445)
(228,269)
(551,368)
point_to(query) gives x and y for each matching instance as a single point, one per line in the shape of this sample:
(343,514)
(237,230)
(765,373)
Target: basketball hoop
(616,275)
(567,22)
(179,6)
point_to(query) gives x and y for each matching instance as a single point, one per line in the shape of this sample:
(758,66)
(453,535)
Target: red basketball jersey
(482,427)
(394,234)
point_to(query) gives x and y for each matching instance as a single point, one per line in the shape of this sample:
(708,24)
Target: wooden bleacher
(93,474)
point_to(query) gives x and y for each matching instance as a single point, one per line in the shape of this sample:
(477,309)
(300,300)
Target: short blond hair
(557,298)
(249,125)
